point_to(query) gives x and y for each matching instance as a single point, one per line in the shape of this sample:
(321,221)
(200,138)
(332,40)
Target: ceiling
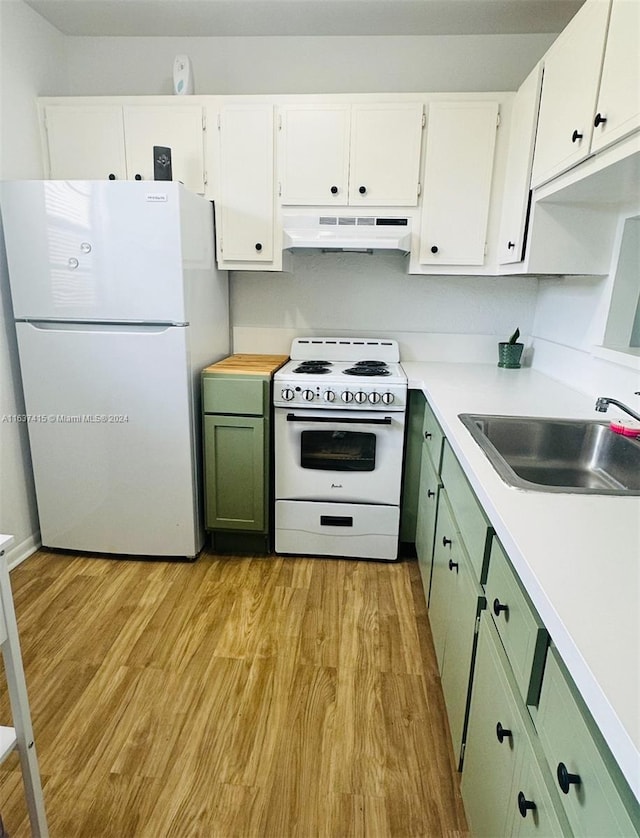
(305,17)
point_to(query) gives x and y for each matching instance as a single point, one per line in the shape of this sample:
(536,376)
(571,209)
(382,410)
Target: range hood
(355,233)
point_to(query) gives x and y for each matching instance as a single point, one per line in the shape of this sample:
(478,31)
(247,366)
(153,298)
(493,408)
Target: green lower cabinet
(235,472)
(504,788)
(426,519)
(455,602)
(595,796)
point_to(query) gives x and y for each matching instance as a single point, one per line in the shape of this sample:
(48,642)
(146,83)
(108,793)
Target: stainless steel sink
(558,455)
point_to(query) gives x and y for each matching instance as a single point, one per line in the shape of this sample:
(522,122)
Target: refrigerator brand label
(157,197)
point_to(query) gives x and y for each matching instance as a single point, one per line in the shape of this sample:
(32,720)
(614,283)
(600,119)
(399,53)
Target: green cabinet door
(426,519)
(446,554)
(235,472)
(459,649)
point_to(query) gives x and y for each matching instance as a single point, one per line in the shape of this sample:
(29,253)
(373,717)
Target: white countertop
(577,555)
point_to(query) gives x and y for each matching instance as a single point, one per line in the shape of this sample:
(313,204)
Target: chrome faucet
(603,403)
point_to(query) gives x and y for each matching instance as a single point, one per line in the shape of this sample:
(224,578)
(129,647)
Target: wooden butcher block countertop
(248,365)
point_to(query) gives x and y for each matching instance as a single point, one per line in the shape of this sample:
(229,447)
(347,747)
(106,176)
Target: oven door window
(338,450)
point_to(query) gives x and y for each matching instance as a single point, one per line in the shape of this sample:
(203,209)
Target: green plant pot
(509,355)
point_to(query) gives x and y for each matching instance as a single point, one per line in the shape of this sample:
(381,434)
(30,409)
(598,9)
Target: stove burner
(367,371)
(370,364)
(313,367)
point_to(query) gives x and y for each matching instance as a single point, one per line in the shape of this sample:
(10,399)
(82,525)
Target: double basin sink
(558,455)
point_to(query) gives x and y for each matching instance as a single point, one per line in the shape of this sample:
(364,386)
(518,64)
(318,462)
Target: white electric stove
(339,411)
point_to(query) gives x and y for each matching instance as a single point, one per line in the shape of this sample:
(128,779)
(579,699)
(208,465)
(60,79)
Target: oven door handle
(347,420)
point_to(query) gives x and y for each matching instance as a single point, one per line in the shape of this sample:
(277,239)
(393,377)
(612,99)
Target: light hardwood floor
(231,697)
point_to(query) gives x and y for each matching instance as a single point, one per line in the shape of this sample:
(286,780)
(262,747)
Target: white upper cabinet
(458,172)
(244,202)
(179,127)
(572,68)
(314,154)
(515,202)
(358,155)
(618,109)
(115,141)
(84,142)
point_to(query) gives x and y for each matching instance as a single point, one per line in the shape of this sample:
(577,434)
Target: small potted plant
(510,352)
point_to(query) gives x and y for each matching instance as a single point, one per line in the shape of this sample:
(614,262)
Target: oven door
(338,455)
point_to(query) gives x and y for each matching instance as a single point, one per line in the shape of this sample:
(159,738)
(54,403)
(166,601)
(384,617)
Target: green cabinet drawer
(432,436)
(243,395)
(426,519)
(595,797)
(235,473)
(502,757)
(522,633)
(473,525)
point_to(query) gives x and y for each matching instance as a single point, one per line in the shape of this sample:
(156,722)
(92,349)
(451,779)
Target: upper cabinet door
(314,154)
(458,172)
(244,203)
(385,154)
(180,127)
(572,69)
(618,110)
(518,175)
(86,142)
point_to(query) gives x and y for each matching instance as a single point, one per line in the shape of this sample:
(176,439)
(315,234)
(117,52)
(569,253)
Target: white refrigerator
(118,306)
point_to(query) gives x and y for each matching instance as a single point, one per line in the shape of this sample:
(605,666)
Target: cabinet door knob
(502,733)
(511,245)
(576,136)
(428,434)
(112,176)
(566,780)
(498,607)
(599,120)
(258,246)
(430,494)
(334,190)
(453,565)
(446,541)
(137,177)
(362,190)
(434,248)
(524,805)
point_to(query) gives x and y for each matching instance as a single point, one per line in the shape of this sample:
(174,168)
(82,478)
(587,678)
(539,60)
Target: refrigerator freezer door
(94,250)
(113,438)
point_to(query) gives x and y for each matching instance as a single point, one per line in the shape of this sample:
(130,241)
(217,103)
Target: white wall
(119,66)
(32,63)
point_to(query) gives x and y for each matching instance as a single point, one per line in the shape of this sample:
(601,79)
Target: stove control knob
(287,394)
(347,396)
(329,396)
(308,395)
(387,398)
(360,397)
(374,398)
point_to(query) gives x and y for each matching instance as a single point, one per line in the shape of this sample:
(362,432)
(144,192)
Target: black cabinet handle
(362,190)
(446,541)
(434,248)
(453,565)
(498,607)
(502,733)
(511,245)
(258,246)
(430,494)
(599,120)
(138,177)
(111,176)
(334,190)
(566,780)
(524,805)
(428,434)
(576,136)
